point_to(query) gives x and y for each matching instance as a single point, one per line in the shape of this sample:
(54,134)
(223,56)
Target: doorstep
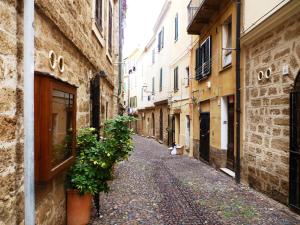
(228,172)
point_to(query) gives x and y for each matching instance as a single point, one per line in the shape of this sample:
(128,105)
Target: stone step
(228,172)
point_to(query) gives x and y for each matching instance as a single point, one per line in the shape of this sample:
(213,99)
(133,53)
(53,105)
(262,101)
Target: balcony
(202,12)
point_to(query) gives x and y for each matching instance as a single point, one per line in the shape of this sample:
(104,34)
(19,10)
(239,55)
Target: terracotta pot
(78,208)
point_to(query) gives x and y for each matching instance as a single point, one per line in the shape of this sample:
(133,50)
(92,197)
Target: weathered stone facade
(265,158)
(65,27)
(11,129)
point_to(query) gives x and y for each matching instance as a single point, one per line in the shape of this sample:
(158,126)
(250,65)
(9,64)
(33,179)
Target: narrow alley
(153,187)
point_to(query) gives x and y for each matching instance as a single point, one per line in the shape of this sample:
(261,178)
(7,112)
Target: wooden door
(230,148)
(161,123)
(173,129)
(204,136)
(294,195)
(153,125)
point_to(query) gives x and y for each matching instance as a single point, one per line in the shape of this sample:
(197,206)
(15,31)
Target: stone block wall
(66,28)
(11,111)
(265,164)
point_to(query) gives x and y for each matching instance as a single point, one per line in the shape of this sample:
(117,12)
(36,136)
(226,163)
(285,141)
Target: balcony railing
(193,7)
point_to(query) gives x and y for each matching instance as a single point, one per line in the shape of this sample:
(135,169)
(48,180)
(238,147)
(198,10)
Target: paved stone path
(155,188)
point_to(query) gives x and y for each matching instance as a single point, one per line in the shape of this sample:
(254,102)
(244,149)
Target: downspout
(120,47)
(29,112)
(238,91)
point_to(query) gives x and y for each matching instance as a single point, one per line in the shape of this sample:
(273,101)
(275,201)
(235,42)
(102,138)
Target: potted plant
(94,165)
(87,177)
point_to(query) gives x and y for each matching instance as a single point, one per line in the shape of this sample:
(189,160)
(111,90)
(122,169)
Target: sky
(140,19)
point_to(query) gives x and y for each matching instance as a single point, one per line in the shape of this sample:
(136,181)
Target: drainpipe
(238,91)
(29,112)
(120,46)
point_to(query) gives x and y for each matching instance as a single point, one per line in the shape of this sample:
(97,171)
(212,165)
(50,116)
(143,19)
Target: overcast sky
(140,18)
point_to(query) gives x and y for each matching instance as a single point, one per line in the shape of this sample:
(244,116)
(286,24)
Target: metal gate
(294,193)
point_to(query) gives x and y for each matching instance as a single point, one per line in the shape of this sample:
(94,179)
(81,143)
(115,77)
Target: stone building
(270,68)
(74,42)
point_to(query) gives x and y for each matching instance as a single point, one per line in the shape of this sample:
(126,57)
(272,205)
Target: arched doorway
(294,195)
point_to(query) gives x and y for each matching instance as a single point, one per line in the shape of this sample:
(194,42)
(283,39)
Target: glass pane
(62,125)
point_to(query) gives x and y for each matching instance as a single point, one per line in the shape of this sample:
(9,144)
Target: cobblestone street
(153,187)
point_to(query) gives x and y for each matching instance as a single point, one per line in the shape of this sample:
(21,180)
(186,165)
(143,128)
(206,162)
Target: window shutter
(98,10)
(176,27)
(159,39)
(162,37)
(160,80)
(197,63)
(175,79)
(209,63)
(153,86)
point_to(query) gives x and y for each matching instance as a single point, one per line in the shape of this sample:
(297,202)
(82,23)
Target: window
(98,13)
(176,27)
(133,102)
(160,79)
(203,59)
(161,40)
(176,79)
(227,42)
(153,86)
(153,56)
(55,126)
(187,78)
(110,29)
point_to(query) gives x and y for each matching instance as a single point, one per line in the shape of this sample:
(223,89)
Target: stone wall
(11,129)
(217,157)
(265,164)
(66,28)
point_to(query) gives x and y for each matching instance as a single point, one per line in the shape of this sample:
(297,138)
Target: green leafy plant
(95,159)
(118,138)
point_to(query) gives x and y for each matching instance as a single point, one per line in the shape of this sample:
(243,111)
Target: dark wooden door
(173,129)
(230,149)
(161,125)
(294,195)
(204,136)
(153,125)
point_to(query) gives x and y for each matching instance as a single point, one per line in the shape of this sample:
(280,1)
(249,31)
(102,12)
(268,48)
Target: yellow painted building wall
(222,80)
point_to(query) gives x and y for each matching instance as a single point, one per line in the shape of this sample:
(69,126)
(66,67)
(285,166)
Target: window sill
(98,33)
(203,78)
(225,68)
(109,57)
